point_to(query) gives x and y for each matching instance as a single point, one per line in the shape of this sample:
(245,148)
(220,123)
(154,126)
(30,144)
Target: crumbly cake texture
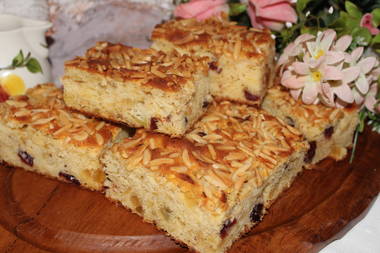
(211,186)
(38,133)
(166,93)
(242,59)
(329,131)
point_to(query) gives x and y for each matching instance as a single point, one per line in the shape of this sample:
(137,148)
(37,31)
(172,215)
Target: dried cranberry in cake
(25,157)
(329,132)
(201,134)
(250,96)
(226,228)
(257,213)
(153,123)
(311,152)
(69,178)
(3,95)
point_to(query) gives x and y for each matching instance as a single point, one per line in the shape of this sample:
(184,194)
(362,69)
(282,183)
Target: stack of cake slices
(206,162)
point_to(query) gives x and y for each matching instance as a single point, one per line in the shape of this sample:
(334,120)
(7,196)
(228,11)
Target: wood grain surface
(43,215)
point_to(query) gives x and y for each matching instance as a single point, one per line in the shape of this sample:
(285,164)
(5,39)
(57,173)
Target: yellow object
(13,84)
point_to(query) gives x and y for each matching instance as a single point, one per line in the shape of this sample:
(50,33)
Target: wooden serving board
(320,206)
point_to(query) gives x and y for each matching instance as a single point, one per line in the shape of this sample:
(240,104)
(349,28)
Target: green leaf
(361,34)
(376,39)
(33,65)
(309,29)
(353,10)
(237,9)
(376,16)
(301,5)
(18,59)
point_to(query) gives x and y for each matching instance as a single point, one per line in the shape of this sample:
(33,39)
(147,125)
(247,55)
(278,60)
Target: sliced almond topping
(147,155)
(186,158)
(81,136)
(16,103)
(212,151)
(161,161)
(100,125)
(22,113)
(99,139)
(42,121)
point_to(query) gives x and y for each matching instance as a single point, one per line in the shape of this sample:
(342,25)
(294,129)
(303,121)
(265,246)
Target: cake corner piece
(38,133)
(242,59)
(211,186)
(328,130)
(162,92)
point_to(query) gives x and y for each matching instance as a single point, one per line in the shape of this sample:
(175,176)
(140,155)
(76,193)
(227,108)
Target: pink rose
(201,9)
(271,13)
(366,22)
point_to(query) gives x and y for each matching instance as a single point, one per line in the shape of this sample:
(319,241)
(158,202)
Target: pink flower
(370,99)
(271,13)
(201,9)
(366,22)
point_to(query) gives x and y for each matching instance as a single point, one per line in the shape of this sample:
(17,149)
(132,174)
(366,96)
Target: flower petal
(295,93)
(332,73)
(328,94)
(198,8)
(343,43)
(304,37)
(344,92)
(328,38)
(333,57)
(282,11)
(370,99)
(293,82)
(253,18)
(362,84)
(357,53)
(310,93)
(272,25)
(350,74)
(301,68)
(367,64)
(358,97)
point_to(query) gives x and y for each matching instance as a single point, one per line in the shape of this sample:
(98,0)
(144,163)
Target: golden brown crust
(217,35)
(146,67)
(43,109)
(231,145)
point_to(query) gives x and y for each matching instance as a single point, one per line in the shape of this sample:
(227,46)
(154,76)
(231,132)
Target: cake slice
(211,186)
(242,59)
(329,131)
(38,133)
(146,88)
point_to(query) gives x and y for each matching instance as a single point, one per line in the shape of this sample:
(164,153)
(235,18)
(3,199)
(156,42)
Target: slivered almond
(237,49)
(131,144)
(61,130)
(235,156)
(212,151)
(100,125)
(225,147)
(22,113)
(99,139)
(186,158)
(147,155)
(81,136)
(161,161)
(158,73)
(16,103)
(42,121)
